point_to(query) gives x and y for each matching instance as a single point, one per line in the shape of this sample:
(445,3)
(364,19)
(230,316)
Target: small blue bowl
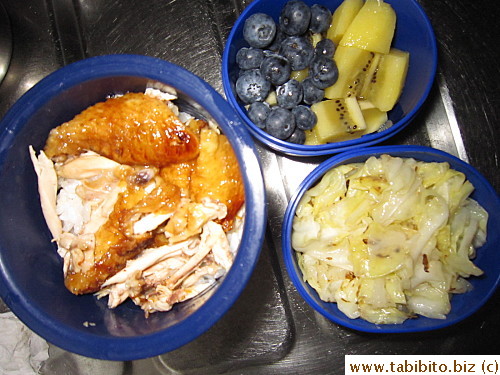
(488,256)
(31,280)
(414,33)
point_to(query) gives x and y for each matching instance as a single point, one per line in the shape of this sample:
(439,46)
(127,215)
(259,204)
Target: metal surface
(270,329)
(5,42)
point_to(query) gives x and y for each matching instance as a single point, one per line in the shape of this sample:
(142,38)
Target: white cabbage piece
(430,300)
(390,238)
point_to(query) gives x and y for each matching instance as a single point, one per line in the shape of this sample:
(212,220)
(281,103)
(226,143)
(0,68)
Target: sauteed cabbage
(389,239)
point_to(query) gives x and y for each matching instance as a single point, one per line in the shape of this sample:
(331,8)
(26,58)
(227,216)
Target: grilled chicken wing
(130,129)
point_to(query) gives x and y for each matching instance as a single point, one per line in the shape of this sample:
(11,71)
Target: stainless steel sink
(270,329)
(5,42)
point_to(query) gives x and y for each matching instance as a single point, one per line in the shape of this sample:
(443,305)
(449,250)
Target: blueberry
(249,58)
(289,94)
(295,17)
(321,17)
(323,72)
(251,86)
(305,118)
(259,30)
(298,50)
(279,37)
(298,136)
(280,123)
(325,47)
(258,112)
(276,69)
(312,94)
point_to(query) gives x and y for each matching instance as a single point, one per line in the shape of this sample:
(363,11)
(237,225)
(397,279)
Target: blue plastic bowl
(414,34)
(31,280)
(488,256)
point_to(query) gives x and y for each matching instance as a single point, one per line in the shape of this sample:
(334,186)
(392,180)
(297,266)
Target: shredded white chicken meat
(160,276)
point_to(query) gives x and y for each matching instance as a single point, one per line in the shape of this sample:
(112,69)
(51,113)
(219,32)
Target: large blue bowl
(31,280)
(414,34)
(488,256)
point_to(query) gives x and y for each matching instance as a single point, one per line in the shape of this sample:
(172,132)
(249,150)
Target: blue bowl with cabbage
(378,245)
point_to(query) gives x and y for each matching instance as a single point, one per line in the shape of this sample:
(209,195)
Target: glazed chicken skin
(130,129)
(216,174)
(151,181)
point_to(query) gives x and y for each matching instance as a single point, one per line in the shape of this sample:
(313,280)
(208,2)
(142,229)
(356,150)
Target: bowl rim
(335,147)
(398,150)
(233,283)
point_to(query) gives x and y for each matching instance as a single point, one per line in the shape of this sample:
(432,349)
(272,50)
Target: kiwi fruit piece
(315,38)
(353,111)
(369,75)
(354,65)
(365,104)
(300,75)
(311,138)
(374,119)
(337,120)
(386,85)
(271,99)
(342,18)
(372,28)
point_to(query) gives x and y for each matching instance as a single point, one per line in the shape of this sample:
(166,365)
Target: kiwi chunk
(342,18)
(355,113)
(300,75)
(373,27)
(374,119)
(332,131)
(271,99)
(353,64)
(369,75)
(338,119)
(311,138)
(365,104)
(387,83)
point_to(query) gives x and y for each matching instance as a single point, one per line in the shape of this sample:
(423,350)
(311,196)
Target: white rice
(70,207)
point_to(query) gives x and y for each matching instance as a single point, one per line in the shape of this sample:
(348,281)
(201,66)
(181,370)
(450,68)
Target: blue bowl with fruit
(320,77)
